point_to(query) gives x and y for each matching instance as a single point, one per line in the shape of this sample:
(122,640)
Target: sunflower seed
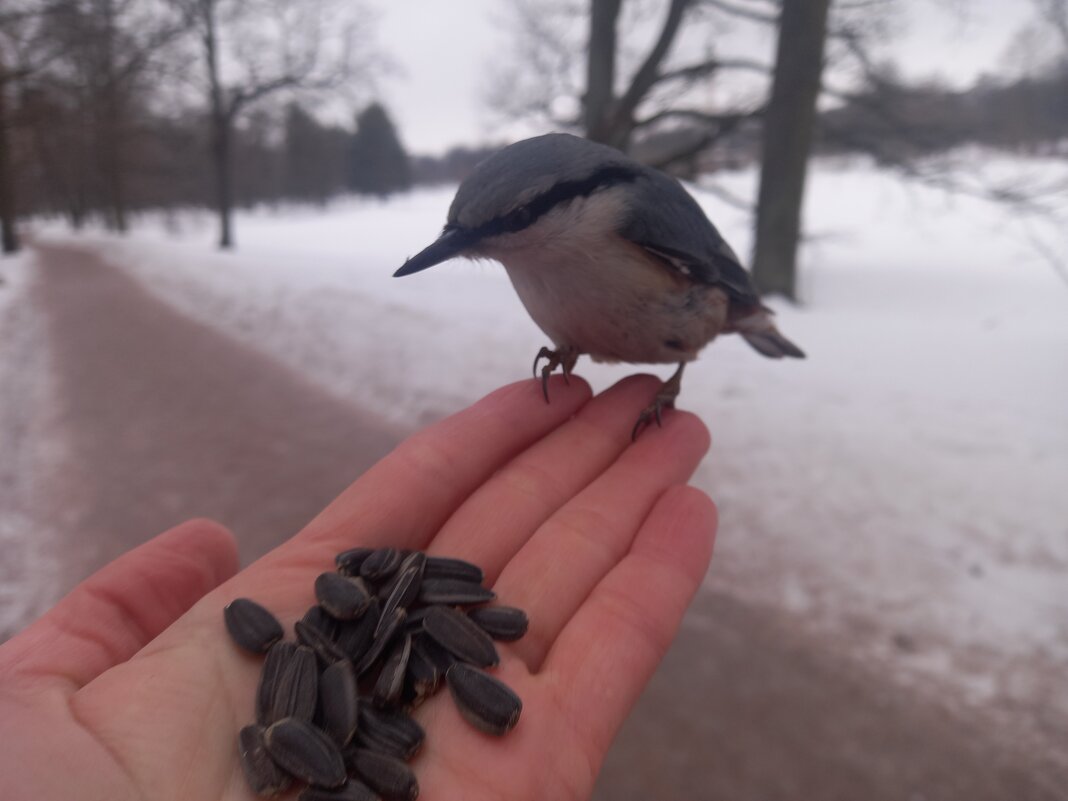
(264,777)
(381,564)
(280,654)
(251,626)
(348,562)
(388,732)
(324,647)
(460,636)
(453,592)
(393,617)
(373,741)
(354,637)
(343,598)
(423,675)
(485,702)
(435,654)
(394,623)
(501,622)
(317,618)
(390,681)
(445,567)
(405,586)
(386,775)
(339,701)
(414,622)
(296,691)
(305,752)
(352,790)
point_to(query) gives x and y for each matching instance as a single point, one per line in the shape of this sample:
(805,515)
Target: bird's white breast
(589,288)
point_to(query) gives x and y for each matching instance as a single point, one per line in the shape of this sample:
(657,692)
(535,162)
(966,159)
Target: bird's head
(518,186)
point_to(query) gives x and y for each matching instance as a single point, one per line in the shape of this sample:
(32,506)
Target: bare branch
(703,117)
(769,14)
(705,68)
(648,72)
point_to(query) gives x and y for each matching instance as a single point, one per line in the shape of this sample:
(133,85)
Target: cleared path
(168,419)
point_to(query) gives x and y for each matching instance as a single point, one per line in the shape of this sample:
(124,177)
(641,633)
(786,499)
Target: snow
(29,568)
(901,490)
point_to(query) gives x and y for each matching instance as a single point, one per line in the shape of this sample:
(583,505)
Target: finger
(404,499)
(116,611)
(557,569)
(495,522)
(609,650)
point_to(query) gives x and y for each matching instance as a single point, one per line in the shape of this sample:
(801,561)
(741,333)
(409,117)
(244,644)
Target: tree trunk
(222,119)
(224,194)
(110,146)
(599,103)
(788,127)
(111,126)
(9,240)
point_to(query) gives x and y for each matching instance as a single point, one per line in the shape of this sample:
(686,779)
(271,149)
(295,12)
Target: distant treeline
(303,159)
(898,122)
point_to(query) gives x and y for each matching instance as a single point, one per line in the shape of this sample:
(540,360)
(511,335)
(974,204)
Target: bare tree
(109,48)
(789,122)
(256,49)
(607,88)
(22,54)
(9,241)
(610,118)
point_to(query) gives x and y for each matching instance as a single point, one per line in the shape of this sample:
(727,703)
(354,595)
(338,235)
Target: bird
(610,257)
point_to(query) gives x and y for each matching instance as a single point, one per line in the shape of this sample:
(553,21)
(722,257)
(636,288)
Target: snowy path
(164,418)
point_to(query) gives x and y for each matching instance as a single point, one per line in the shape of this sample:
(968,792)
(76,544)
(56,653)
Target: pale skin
(130,688)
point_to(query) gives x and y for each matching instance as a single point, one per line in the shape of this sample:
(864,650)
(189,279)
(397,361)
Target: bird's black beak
(449,244)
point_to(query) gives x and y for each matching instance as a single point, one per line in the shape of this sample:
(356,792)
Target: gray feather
(515,175)
(664,219)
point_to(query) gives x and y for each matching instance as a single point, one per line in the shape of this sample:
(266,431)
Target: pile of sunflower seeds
(390,627)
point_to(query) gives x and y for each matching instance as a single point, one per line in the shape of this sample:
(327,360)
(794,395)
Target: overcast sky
(446,51)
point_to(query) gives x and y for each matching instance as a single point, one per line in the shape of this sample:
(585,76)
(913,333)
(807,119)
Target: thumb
(115,612)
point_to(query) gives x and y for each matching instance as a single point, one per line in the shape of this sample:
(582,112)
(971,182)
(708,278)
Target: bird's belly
(615,303)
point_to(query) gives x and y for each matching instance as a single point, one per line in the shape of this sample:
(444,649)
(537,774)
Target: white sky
(446,51)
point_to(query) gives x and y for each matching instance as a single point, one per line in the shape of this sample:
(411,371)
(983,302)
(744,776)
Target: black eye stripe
(527,214)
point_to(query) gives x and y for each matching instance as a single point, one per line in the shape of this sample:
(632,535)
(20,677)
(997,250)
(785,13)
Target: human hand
(131,689)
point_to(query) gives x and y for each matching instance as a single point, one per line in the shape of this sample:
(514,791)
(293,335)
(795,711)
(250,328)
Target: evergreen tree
(378,163)
(315,157)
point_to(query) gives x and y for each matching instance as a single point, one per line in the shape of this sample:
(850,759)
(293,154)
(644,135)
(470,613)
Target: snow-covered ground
(902,489)
(31,449)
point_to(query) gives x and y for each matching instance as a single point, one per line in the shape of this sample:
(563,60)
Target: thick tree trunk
(599,103)
(9,240)
(222,119)
(788,127)
(224,194)
(110,149)
(111,125)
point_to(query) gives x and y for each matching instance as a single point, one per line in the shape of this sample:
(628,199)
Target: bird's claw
(665,399)
(564,358)
(652,412)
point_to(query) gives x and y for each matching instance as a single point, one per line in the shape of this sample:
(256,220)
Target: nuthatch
(611,258)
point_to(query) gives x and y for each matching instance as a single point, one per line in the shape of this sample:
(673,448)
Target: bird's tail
(760,332)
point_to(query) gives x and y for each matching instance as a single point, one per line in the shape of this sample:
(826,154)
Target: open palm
(131,689)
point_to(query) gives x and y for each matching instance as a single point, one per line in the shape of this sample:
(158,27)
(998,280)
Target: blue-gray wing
(664,219)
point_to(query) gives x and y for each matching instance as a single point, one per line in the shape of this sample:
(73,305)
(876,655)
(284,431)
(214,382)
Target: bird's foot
(563,357)
(665,399)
